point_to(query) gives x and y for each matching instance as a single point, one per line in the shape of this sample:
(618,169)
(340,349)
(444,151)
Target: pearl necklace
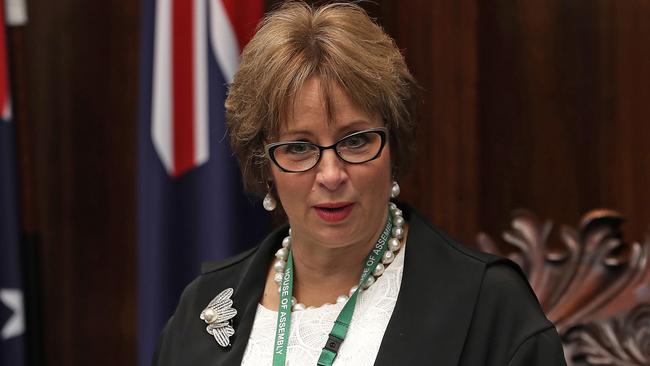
(394,244)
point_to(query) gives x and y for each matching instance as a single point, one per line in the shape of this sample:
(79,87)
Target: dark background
(537,104)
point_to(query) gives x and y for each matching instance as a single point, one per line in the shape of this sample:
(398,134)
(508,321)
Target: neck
(324,272)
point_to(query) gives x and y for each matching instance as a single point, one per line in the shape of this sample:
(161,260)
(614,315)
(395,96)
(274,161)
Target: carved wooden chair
(591,283)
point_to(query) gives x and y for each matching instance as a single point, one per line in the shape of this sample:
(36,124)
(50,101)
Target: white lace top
(310,328)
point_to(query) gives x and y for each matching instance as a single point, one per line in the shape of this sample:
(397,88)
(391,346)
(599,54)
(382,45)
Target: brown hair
(339,43)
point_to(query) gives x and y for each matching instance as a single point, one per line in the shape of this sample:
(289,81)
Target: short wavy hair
(344,47)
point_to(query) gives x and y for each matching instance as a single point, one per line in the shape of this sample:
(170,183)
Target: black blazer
(456,306)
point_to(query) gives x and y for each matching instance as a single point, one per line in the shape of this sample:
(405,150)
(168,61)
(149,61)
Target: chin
(339,234)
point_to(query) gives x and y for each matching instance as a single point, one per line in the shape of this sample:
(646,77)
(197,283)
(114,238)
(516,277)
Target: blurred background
(542,104)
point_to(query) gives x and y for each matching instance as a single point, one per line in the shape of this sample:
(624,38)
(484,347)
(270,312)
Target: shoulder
(508,319)
(428,236)
(214,277)
(500,282)
(540,349)
(231,272)
(504,285)
(214,266)
(240,260)
(223,272)
(216,274)
(489,293)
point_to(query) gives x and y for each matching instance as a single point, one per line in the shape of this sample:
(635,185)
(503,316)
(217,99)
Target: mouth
(334,211)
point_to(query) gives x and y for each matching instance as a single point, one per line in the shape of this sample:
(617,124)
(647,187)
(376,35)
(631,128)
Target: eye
(297,149)
(355,142)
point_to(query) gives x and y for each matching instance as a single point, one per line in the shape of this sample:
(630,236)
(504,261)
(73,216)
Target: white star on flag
(15,326)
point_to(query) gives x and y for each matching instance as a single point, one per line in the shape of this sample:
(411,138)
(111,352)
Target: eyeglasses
(300,156)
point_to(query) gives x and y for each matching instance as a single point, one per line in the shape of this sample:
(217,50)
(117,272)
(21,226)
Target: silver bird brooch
(218,315)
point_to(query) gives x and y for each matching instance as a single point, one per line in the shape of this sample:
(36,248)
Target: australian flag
(12,319)
(191,204)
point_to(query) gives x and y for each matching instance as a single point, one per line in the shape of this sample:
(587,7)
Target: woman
(320,116)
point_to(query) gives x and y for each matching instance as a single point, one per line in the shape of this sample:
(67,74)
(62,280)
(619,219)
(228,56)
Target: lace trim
(310,327)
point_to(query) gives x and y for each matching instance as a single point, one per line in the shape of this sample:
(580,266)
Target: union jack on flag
(183,34)
(191,205)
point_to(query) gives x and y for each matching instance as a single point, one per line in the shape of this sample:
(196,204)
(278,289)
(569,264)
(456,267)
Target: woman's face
(334,204)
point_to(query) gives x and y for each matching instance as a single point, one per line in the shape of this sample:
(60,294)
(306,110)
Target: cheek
(386,168)
(378,179)
(291,188)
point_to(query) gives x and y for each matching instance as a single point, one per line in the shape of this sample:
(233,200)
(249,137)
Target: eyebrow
(295,134)
(343,131)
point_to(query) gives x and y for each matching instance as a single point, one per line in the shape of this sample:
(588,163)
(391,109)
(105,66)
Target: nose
(331,171)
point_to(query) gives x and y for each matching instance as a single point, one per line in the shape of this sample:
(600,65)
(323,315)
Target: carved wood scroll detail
(591,283)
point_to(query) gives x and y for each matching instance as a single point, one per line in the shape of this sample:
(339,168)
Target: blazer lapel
(440,285)
(248,285)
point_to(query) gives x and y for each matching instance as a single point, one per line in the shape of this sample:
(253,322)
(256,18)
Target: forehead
(319,106)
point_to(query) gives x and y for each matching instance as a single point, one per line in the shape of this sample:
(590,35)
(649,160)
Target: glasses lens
(359,147)
(296,156)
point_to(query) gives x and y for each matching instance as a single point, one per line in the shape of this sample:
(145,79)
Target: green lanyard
(342,322)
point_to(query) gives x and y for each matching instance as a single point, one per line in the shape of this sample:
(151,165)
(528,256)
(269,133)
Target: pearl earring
(394,191)
(269,202)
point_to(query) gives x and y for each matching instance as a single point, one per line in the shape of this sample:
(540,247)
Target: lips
(334,211)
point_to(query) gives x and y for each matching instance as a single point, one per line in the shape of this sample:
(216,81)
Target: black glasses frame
(269,150)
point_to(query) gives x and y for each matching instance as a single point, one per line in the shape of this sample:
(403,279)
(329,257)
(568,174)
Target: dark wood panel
(556,110)
(627,140)
(439,43)
(75,107)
